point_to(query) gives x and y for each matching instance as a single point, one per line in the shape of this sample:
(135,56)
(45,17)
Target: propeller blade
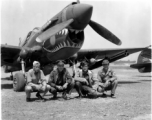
(53,30)
(105,33)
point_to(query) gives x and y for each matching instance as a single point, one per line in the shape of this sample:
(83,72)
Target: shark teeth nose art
(63,32)
(66,44)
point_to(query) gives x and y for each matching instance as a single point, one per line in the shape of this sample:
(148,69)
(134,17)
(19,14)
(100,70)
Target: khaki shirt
(54,77)
(89,78)
(35,78)
(103,76)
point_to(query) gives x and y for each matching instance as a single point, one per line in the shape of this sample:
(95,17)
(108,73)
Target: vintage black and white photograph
(76,60)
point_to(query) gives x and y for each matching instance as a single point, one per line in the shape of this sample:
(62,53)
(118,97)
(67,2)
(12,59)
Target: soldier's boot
(39,96)
(54,95)
(28,100)
(64,95)
(113,96)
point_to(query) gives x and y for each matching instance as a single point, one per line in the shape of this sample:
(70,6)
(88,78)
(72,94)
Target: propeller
(53,30)
(105,33)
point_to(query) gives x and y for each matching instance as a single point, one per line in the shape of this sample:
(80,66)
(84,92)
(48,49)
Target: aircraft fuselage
(66,42)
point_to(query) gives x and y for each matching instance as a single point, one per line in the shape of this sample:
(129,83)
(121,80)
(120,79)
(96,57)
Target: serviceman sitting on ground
(60,81)
(36,82)
(84,81)
(107,79)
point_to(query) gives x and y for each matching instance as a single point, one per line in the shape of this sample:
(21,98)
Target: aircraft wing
(9,53)
(102,53)
(111,54)
(141,65)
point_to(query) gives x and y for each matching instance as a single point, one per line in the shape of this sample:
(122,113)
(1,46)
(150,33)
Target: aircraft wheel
(19,82)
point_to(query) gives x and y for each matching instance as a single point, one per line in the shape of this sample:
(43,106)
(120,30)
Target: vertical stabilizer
(144,56)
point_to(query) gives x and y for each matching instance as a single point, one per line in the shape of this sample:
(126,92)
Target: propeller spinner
(104,32)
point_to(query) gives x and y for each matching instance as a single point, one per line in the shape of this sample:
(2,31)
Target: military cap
(105,62)
(36,63)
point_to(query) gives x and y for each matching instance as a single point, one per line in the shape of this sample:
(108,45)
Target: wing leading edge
(102,53)
(111,54)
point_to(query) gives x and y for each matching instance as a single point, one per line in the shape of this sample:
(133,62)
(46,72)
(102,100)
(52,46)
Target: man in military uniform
(107,79)
(60,81)
(84,81)
(36,82)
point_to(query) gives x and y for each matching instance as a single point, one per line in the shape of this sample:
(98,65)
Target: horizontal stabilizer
(138,66)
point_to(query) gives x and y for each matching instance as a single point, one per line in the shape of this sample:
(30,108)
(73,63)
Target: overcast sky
(129,21)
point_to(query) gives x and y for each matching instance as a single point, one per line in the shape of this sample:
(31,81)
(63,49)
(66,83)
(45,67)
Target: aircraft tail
(144,61)
(144,56)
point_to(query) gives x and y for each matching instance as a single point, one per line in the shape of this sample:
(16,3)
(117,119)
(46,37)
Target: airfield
(133,101)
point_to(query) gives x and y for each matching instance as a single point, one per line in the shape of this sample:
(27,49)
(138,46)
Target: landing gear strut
(11,76)
(19,80)
(23,66)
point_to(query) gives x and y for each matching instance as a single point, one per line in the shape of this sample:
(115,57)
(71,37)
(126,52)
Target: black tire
(19,82)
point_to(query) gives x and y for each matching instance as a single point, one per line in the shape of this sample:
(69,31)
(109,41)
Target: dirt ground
(133,102)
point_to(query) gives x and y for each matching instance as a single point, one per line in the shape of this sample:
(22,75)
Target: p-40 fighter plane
(60,38)
(144,63)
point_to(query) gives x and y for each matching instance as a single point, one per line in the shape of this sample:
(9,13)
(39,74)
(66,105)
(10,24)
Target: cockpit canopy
(31,33)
